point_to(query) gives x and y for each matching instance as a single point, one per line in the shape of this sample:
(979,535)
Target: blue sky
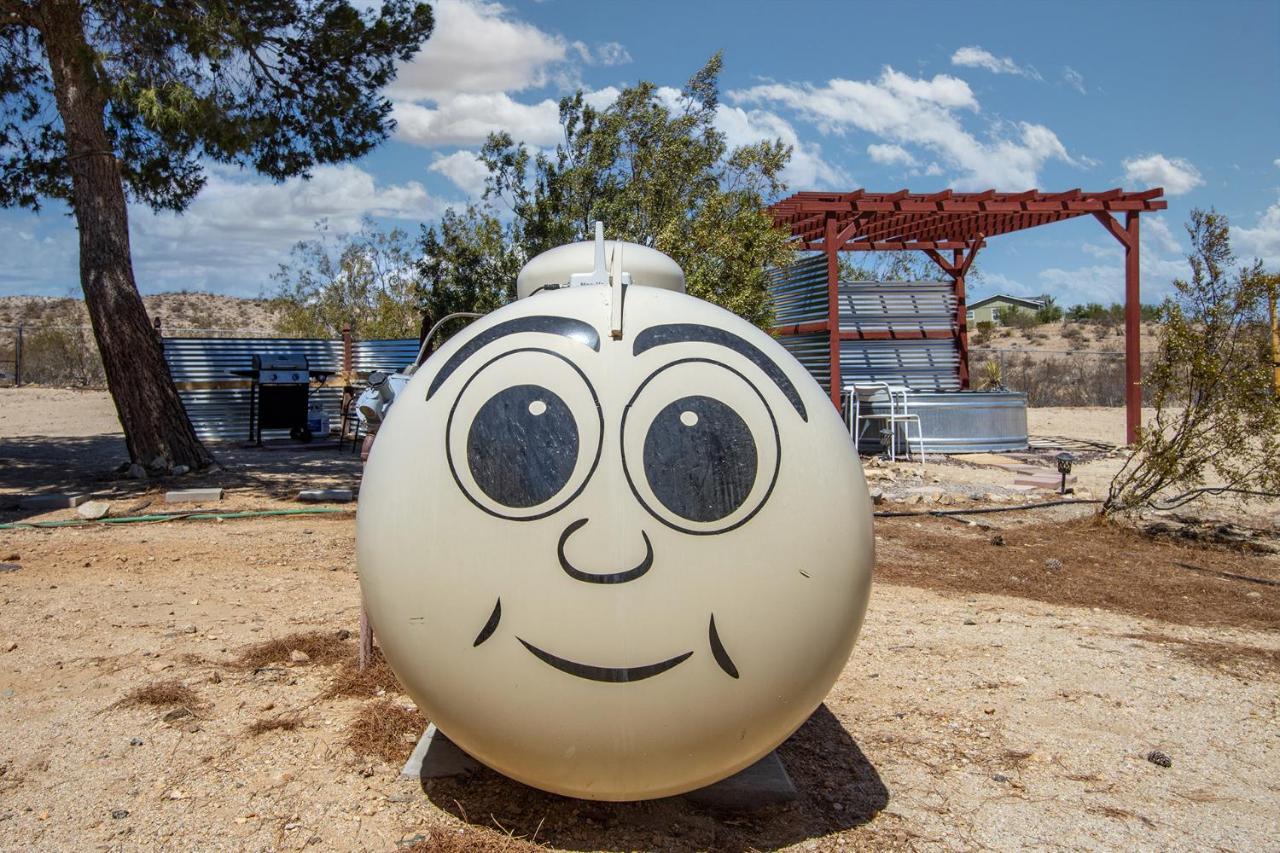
(881,96)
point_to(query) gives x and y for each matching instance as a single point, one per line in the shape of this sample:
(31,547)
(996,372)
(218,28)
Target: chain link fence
(66,354)
(1053,377)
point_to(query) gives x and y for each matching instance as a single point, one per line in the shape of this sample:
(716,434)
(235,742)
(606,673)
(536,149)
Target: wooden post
(346,354)
(1273,285)
(831,246)
(17,359)
(962,315)
(1132,332)
(1129,238)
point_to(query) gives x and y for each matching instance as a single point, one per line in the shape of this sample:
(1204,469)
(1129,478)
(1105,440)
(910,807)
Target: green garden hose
(176,516)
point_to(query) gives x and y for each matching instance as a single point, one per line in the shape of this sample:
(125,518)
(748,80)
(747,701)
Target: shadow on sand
(36,464)
(838,789)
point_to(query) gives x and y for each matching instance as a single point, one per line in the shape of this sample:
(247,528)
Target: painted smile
(613,674)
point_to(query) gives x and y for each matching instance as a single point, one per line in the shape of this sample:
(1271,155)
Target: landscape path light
(1064,468)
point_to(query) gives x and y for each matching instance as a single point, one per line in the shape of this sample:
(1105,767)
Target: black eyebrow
(568,327)
(677,333)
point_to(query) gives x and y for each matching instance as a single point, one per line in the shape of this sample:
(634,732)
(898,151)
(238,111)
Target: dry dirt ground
(1010,682)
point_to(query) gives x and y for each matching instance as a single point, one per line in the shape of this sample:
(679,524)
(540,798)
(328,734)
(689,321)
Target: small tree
(106,97)
(1049,311)
(1015,317)
(469,263)
(367,280)
(659,174)
(1210,386)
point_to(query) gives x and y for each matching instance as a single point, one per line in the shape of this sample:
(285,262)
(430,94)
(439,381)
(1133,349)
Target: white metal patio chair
(860,414)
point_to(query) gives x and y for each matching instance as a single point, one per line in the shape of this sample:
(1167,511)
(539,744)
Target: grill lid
(283,361)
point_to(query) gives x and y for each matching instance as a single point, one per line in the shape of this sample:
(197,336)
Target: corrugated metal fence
(218,401)
(907,307)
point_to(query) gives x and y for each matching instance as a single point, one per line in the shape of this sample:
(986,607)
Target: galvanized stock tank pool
(965,421)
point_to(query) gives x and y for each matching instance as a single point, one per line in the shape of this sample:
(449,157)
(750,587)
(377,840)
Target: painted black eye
(700,459)
(522,447)
(522,450)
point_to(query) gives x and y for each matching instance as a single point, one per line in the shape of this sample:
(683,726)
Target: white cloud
(1261,241)
(1074,79)
(976,57)
(477,47)
(925,113)
(807,169)
(890,155)
(1276,162)
(238,229)
(609,54)
(1156,232)
(600,99)
(464,169)
(469,119)
(1177,176)
(1162,260)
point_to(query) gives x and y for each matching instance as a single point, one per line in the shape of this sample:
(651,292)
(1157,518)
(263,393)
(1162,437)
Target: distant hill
(178,312)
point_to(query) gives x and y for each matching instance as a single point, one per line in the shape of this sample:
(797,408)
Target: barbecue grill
(280,392)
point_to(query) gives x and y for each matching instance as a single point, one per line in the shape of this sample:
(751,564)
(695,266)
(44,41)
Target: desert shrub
(982,332)
(1049,312)
(1016,318)
(1216,411)
(1074,336)
(990,377)
(1085,379)
(61,355)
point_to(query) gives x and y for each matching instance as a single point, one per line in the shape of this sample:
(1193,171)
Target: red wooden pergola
(950,228)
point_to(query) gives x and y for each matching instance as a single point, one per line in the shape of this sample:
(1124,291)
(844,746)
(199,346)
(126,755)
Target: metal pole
(1132,332)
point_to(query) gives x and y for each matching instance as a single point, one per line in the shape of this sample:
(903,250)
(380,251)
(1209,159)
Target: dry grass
(471,839)
(385,729)
(162,694)
(1231,658)
(376,680)
(1104,565)
(283,723)
(321,646)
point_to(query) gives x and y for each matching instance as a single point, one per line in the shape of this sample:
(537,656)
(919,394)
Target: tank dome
(646,266)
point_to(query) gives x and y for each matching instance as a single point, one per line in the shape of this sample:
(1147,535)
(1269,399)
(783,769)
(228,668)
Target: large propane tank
(614,540)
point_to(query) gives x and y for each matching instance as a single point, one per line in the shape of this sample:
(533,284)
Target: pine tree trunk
(157,431)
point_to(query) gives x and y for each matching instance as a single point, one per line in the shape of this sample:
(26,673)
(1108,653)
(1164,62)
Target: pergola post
(1128,237)
(832,247)
(957,268)
(1132,332)
(961,265)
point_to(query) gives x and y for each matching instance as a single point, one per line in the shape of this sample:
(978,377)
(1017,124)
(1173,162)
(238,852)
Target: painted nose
(607,577)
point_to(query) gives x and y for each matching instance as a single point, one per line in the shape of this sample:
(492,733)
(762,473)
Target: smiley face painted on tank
(697,463)
(615,567)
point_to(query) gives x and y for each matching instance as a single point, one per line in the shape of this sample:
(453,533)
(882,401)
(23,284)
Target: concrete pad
(436,757)
(764,783)
(181,496)
(58,500)
(93,510)
(316,496)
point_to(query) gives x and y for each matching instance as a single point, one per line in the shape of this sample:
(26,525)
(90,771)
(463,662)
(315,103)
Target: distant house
(988,310)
